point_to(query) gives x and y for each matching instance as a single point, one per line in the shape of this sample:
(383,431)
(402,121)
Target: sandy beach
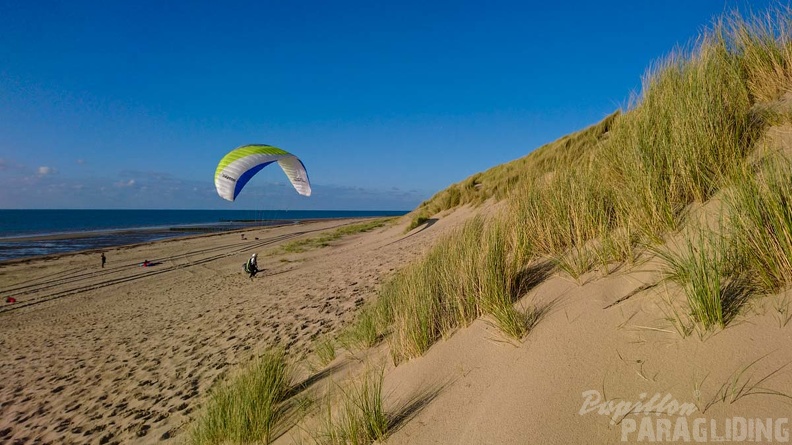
(126,354)
(122,354)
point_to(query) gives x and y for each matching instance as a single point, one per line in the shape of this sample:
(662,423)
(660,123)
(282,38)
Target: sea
(31,233)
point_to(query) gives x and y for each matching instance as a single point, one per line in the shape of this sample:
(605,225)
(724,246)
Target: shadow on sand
(429,223)
(412,407)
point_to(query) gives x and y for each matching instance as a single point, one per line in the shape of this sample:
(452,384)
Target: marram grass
(359,417)
(248,407)
(760,206)
(472,272)
(699,269)
(594,197)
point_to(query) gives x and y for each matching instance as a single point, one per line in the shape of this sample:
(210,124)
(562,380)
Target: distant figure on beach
(104,260)
(146,263)
(251,267)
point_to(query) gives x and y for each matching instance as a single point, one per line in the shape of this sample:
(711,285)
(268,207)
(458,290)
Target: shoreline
(99,232)
(169,234)
(13,227)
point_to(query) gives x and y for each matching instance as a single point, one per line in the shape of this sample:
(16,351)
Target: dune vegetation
(247,408)
(609,197)
(604,196)
(324,240)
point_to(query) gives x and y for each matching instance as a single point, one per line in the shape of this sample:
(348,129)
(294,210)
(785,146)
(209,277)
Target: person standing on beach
(104,260)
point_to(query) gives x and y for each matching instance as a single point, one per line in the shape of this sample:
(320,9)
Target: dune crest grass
(763,42)
(687,133)
(500,181)
(600,196)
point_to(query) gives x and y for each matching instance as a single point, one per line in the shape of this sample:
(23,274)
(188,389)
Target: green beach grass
(248,407)
(356,417)
(325,240)
(760,205)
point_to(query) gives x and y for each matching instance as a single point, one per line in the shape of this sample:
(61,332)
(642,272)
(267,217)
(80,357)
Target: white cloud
(81,161)
(122,184)
(44,171)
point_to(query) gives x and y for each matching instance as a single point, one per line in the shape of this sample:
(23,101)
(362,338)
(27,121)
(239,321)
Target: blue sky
(132,104)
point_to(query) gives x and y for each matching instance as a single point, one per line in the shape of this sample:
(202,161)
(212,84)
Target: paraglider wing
(237,167)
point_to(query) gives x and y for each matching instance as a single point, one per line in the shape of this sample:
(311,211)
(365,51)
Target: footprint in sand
(106,439)
(142,430)
(63,425)
(71,407)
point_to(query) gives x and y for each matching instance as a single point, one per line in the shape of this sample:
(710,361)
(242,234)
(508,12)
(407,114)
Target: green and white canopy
(237,167)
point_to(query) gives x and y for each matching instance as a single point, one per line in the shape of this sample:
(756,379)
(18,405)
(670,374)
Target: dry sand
(123,354)
(490,391)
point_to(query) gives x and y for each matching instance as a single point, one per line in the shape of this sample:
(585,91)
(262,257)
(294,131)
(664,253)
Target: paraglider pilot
(251,267)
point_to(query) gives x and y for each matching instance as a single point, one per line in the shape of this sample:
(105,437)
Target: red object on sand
(10,300)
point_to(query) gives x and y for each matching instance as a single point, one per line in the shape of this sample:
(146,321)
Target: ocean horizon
(36,232)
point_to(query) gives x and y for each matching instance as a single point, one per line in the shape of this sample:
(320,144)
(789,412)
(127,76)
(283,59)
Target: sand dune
(585,352)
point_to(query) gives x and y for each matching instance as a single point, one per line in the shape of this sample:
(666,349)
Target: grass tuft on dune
(359,416)
(248,407)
